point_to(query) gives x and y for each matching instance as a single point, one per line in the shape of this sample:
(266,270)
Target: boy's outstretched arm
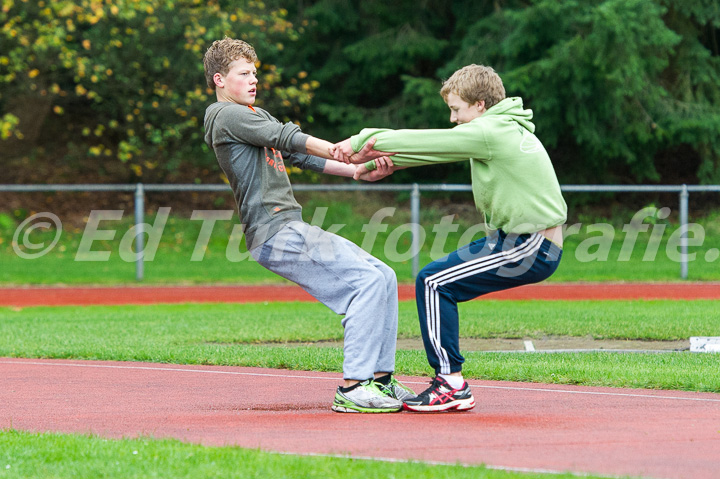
(319,147)
(359,172)
(325,149)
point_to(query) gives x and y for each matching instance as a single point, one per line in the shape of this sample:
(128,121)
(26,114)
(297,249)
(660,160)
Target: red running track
(658,434)
(55,296)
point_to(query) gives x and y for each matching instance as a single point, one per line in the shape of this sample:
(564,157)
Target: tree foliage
(613,82)
(622,90)
(123,80)
(617,86)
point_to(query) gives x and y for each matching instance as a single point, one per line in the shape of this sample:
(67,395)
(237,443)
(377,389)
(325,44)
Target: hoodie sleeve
(238,123)
(306,162)
(422,147)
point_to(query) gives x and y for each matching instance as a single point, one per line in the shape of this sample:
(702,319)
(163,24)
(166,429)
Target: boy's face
(240,83)
(462,111)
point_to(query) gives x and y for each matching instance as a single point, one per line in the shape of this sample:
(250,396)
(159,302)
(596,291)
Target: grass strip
(59,456)
(184,324)
(226,334)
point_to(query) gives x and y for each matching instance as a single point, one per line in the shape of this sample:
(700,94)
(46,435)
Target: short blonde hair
(475,83)
(222,53)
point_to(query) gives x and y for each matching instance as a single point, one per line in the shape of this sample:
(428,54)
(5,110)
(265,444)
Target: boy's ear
(480,105)
(218,80)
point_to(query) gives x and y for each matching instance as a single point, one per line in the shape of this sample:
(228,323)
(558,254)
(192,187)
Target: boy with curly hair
(251,147)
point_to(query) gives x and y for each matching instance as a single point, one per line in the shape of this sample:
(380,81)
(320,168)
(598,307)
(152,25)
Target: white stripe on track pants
(496,262)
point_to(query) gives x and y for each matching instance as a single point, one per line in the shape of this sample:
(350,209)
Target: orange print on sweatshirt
(276,160)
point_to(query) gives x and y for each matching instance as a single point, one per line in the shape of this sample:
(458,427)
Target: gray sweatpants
(349,281)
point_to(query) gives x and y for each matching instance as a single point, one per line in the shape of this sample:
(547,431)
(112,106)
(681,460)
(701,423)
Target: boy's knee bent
(422,277)
(376,280)
(389,275)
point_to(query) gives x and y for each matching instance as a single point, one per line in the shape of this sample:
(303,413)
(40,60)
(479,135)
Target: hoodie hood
(513,107)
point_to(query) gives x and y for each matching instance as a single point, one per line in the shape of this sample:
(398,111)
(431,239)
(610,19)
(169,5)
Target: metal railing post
(684,232)
(139,231)
(415,220)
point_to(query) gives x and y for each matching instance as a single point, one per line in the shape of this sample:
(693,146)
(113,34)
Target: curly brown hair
(222,53)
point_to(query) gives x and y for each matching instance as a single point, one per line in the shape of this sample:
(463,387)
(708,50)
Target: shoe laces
(383,388)
(394,382)
(434,384)
(372,386)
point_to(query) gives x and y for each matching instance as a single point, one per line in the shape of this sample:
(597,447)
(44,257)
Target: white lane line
(595,393)
(335,378)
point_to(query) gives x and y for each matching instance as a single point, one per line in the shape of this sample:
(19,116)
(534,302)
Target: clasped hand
(343,152)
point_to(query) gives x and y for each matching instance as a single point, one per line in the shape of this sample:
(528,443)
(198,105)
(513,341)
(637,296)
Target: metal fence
(415,190)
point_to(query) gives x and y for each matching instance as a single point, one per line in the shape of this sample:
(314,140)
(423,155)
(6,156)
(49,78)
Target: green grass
(594,251)
(59,456)
(584,261)
(224,334)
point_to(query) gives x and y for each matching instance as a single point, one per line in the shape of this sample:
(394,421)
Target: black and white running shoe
(440,396)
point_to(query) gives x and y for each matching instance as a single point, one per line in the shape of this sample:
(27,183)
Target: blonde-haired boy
(515,188)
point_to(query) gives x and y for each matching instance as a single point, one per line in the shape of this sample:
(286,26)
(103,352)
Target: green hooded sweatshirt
(513,181)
